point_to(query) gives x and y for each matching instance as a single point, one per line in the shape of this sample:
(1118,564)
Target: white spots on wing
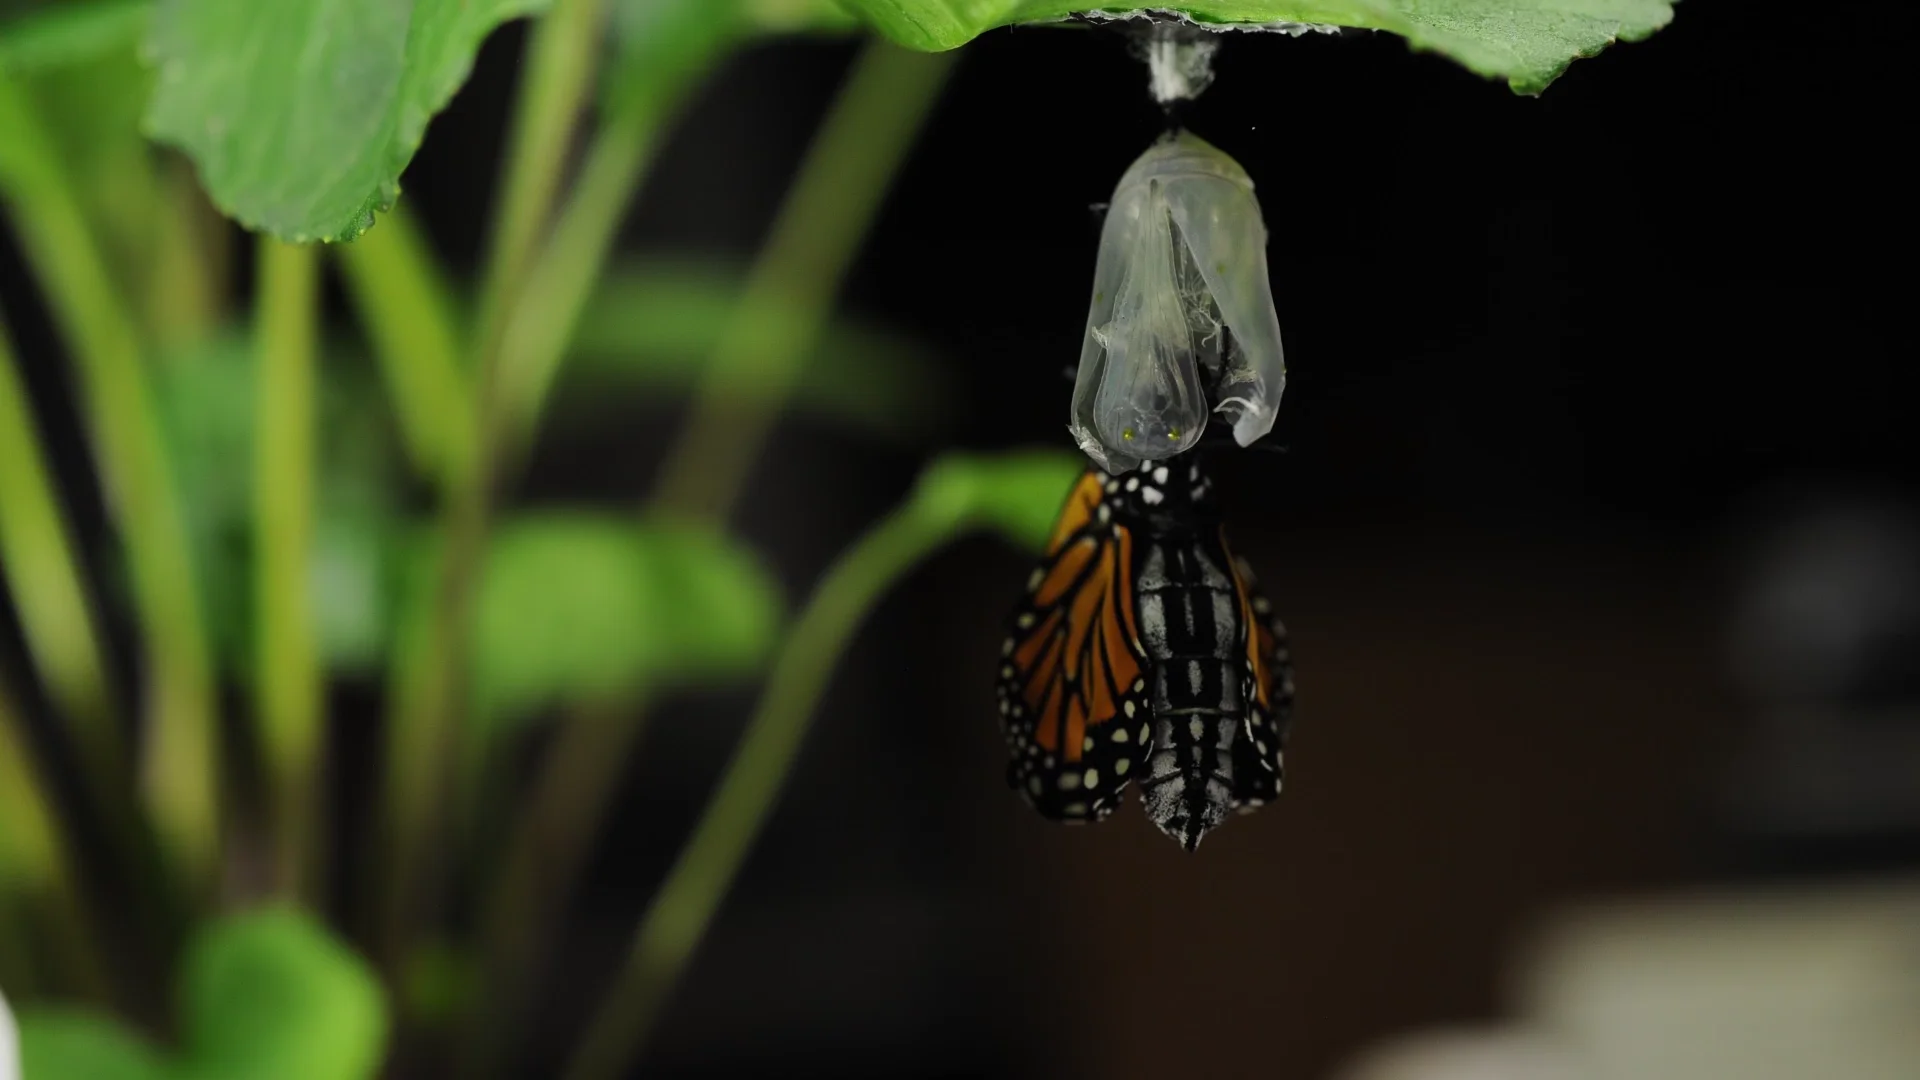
(1047,761)
(1006,647)
(1006,671)
(1139,685)
(1160,475)
(1197,728)
(1075,809)
(1086,744)
(1033,784)
(1104,513)
(1129,707)
(1120,767)
(1034,579)
(1070,782)
(1151,496)
(1092,779)
(1133,483)
(1025,620)
(1261,605)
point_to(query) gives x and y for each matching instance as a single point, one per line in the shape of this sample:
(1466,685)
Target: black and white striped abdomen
(1195,637)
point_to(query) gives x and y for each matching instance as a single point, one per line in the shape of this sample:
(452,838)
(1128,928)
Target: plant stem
(185,284)
(36,555)
(407,309)
(680,913)
(429,672)
(851,163)
(290,686)
(826,215)
(182,781)
(560,65)
(35,862)
(541,324)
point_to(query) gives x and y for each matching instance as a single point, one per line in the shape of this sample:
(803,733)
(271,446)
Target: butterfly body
(1143,653)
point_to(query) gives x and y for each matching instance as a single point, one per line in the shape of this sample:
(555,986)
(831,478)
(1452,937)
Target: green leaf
(301,114)
(1526,42)
(580,605)
(273,994)
(71,34)
(655,323)
(71,1044)
(1017,495)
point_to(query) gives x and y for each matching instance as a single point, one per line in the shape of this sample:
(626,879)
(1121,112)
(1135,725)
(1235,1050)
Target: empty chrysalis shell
(1182,321)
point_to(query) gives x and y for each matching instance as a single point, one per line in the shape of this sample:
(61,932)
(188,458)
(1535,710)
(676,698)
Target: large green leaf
(69,1044)
(1526,42)
(580,605)
(656,323)
(301,114)
(273,994)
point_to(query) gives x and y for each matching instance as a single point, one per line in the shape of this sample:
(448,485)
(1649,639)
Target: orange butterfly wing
(1071,693)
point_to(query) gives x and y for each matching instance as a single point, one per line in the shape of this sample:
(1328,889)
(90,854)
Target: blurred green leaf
(656,322)
(70,1044)
(70,34)
(272,994)
(206,401)
(580,605)
(301,114)
(1018,495)
(1526,42)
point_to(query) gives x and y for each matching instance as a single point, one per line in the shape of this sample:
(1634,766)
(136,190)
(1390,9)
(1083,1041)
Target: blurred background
(1596,526)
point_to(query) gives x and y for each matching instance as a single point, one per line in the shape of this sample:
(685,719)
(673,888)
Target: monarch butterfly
(1143,651)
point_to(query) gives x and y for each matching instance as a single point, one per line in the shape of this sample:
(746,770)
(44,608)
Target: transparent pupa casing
(1181,307)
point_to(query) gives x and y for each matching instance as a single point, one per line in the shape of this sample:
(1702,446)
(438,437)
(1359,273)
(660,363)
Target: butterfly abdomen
(1193,628)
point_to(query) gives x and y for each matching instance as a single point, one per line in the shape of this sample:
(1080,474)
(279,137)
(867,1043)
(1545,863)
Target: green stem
(181,780)
(541,325)
(289,684)
(36,555)
(826,215)
(407,309)
(428,676)
(36,865)
(852,162)
(560,63)
(680,913)
(185,283)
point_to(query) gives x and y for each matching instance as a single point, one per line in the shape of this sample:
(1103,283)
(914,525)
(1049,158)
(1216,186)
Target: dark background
(1563,371)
